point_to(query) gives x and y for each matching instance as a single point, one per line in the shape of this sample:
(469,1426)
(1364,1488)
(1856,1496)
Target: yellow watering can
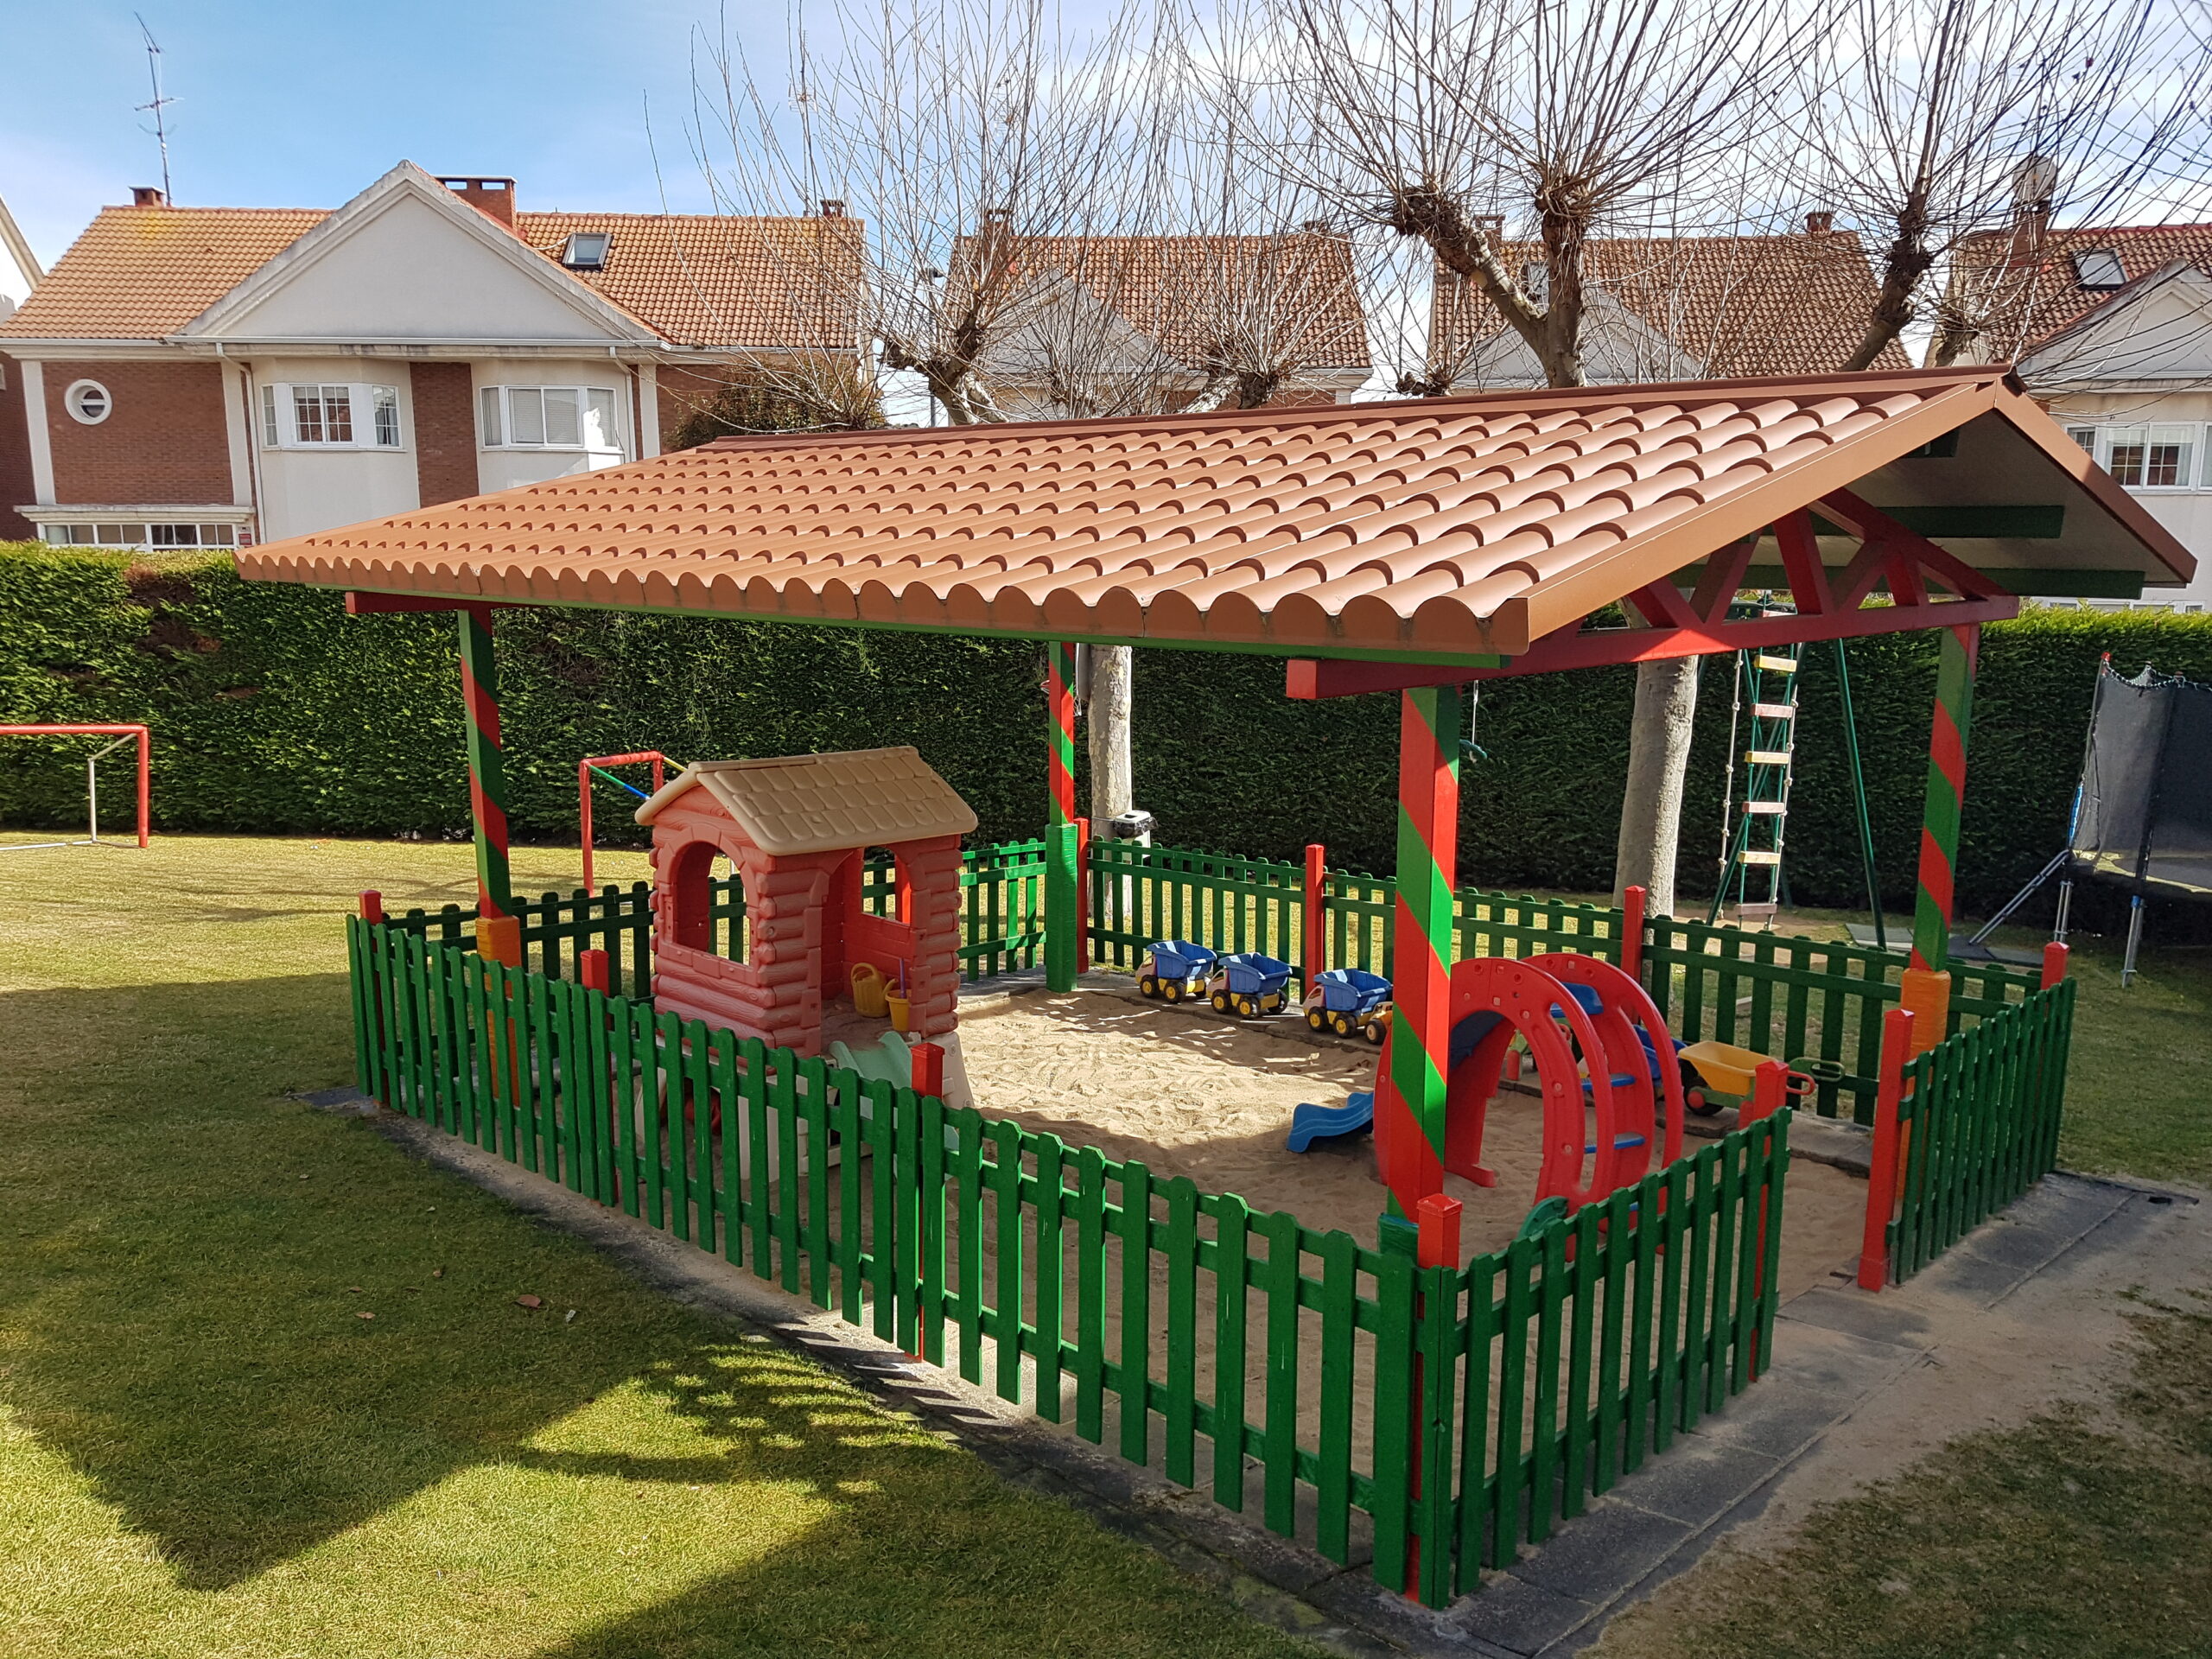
(868,991)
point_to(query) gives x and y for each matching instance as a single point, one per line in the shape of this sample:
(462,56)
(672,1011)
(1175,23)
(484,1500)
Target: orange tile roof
(706,280)
(2035,299)
(142,273)
(1296,292)
(1446,527)
(139,273)
(1740,305)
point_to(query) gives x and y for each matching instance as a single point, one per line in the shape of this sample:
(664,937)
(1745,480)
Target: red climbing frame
(659,762)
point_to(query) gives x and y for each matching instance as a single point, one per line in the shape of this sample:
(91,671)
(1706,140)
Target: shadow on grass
(185,1258)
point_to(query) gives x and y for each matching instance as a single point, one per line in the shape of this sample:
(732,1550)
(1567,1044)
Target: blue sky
(300,104)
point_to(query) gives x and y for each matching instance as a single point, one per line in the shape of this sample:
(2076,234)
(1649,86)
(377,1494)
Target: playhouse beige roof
(826,802)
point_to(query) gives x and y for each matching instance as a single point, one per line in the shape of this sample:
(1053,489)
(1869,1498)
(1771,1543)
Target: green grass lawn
(205,1448)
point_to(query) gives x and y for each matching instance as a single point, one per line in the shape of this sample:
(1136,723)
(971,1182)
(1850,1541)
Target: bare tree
(1452,122)
(1930,124)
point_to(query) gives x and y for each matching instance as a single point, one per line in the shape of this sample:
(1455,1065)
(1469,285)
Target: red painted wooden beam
(1310,679)
(360,603)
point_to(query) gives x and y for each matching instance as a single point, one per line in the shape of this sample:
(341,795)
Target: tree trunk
(1107,715)
(1659,753)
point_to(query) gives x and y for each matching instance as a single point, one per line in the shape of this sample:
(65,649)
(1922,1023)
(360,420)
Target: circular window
(87,400)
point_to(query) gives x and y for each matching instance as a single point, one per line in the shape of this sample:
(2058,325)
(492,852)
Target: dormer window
(2099,269)
(585,250)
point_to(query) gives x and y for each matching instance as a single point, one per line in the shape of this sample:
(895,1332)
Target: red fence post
(145,786)
(1632,903)
(1882,1177)
(373,906)
(1313,931)
(1770,1092)
(1436,1216)
(2053,963)
(929,1069)
(591,970)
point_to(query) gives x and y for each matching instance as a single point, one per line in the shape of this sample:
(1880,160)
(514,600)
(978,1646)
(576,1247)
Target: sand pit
(1194,1094)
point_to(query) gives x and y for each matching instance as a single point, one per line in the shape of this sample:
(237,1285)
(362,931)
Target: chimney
(494,198)
(1819,224)
(832,207)
(146,195)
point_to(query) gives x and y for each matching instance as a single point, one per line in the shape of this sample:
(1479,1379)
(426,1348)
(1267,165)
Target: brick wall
(682,393)
(445,431)
(163,442)
(15,454)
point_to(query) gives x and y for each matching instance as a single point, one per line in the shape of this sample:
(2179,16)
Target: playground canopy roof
(825,802)
(1446,530)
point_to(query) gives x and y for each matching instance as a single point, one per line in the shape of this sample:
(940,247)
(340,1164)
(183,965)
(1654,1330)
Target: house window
(323,417)
(137,535)
(585,250)
(550,417)
(87,402)
(2099,268)
(2145,457)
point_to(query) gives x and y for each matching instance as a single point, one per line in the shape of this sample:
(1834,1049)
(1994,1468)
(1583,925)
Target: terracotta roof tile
(142,273)
(1736,305)
(1460,524)
(139,273)
(2028,300)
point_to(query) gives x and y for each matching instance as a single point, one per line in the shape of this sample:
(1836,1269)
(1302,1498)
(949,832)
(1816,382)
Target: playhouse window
(882,883)
(709,897)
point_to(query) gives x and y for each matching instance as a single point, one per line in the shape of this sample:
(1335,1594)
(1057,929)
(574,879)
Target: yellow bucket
(901,1012)
(868,987)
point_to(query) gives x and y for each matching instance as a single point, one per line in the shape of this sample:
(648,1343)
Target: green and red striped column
(1063,918)
(1429,722)
(487,778)
(1946,788)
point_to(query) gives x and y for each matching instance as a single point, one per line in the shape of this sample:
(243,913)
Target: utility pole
(160,103)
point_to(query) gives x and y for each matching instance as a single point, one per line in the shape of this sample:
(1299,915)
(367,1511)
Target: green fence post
(1429,827)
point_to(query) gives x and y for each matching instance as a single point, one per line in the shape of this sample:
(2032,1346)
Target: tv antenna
(160,103)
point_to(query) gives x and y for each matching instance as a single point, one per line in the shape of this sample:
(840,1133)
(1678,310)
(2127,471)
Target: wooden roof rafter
(1919,585)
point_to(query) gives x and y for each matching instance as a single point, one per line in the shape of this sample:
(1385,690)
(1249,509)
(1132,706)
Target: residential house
(2110,328)
(1692,308)
(215,376)
(19,274)
(1107,325)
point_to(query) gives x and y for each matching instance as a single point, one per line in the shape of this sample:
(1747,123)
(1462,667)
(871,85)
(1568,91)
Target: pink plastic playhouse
(798,831)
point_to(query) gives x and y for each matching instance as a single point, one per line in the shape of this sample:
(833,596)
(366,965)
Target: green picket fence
(1138,894)
(1239,1351)
(1792,998)
(1978,1124)
(1799,999)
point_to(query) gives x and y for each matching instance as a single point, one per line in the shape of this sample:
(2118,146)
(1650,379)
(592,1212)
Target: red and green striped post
(1926,984)
(487,778)
(1063,917)
(1429,722)
(1946,788)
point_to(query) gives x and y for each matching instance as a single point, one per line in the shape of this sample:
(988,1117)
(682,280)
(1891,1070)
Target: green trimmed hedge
(272,711)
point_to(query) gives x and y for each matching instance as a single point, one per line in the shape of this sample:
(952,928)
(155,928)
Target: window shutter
(563,428)
(526,414)
(489,397)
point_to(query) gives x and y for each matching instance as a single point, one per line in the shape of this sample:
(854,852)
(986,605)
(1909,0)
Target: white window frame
(144,535)
(372,410)
(495,420)
(72,395)
(2196,469)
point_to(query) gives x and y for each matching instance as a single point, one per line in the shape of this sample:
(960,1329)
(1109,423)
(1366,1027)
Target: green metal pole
(1858,794)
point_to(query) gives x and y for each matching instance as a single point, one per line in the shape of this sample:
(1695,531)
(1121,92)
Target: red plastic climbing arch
(1493,1000)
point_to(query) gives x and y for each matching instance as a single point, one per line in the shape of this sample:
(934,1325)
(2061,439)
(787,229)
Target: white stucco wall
(306,490)
(2186,511)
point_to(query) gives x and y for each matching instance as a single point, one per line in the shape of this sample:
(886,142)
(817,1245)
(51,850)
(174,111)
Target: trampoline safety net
(2146,788)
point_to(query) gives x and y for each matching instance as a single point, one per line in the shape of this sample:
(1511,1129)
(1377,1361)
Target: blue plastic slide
(1310,1123)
